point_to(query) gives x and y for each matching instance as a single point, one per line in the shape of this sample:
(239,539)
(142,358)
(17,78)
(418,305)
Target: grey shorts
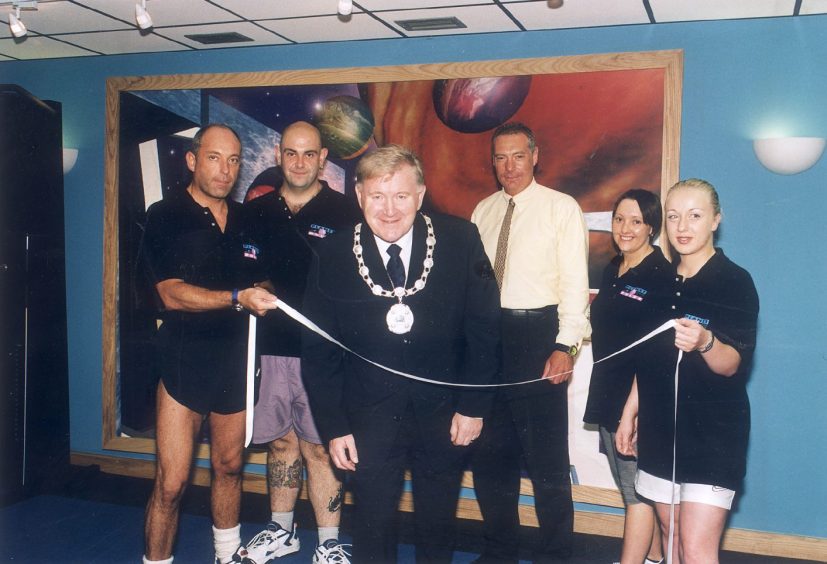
(282,402)
(623,468)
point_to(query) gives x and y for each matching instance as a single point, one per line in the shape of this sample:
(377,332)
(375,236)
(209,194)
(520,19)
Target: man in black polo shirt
(295,216)
(203,265)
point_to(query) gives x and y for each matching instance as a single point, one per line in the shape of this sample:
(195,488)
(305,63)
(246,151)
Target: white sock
(167,561)
(327,533)
(226,541)
(283,518)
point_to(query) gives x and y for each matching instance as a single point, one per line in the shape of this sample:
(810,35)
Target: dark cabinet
(34,402)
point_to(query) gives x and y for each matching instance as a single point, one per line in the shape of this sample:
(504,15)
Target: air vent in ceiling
(431,24)
(216,38)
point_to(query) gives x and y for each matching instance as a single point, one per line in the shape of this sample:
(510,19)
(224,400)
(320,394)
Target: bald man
(291,220)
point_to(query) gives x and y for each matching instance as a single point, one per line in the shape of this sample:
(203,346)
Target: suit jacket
(455,337)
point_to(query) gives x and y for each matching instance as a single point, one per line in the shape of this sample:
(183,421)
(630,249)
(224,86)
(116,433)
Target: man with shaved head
(290,220)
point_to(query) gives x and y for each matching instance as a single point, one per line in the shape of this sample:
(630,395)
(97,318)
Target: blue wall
(740,78)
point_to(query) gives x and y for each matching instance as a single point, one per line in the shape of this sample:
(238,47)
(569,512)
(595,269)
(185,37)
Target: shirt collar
(405,243)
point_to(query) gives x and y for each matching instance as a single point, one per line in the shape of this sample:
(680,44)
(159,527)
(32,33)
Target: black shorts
(205,373)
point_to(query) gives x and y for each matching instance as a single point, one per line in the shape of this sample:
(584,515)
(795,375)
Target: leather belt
(536,312)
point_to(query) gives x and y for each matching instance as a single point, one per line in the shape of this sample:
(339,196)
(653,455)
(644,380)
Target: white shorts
(660,491)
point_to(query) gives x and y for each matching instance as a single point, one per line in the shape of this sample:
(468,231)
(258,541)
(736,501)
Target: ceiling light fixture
(142,17)
(15,25)
(345,7)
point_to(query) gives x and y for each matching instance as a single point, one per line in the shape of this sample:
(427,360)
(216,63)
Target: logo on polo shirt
(320,231)
(701,320)
(250,251)
(633,292)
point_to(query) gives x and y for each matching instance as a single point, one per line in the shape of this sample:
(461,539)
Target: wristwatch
(236,305)
(569,350)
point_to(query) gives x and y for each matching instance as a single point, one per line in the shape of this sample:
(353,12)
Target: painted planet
(473,105)
(346,124)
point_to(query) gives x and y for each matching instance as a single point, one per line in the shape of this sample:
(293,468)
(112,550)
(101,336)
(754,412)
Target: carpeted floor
(94,517)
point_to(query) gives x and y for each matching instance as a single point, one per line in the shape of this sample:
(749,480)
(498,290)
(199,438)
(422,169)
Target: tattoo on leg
(335,503)
(280,475)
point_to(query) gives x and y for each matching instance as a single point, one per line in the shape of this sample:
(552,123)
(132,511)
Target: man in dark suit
(416,294)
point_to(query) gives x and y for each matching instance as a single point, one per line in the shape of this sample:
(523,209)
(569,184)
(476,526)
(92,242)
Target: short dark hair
(514,128)
(199,135)
(650,208)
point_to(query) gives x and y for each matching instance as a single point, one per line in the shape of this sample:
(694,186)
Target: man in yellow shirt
(537,240)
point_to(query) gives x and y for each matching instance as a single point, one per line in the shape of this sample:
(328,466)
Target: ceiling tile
(120,42)
(683,11)
(35,47)
(813,7)
(579,13)
(257,34)
(330,28)
(273,9)
(65,17)
(478,19)
(165,12)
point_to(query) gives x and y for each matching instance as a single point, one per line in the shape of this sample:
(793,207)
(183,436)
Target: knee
(169,490)
(284,447)
(227,464)
(314,453)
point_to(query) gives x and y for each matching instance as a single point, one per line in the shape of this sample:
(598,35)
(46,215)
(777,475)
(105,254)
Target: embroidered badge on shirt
(633,292)
(701,320)
(320,231)
(250,251)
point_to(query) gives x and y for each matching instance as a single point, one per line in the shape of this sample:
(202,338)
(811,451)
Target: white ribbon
(319,331)
(251,381)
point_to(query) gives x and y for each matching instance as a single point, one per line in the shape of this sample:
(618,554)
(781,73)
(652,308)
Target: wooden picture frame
(386,83)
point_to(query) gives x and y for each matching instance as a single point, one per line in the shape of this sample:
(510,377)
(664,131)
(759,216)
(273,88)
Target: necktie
(502,245)
(396,270)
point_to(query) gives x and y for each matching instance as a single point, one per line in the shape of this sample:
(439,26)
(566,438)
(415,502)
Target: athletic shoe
(238,556)
(649,561)
(332,552)
(271,543)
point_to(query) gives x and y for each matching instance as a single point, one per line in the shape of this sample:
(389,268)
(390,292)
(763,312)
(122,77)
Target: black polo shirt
(626,308)
(713,418)
(182,240)
(289,240)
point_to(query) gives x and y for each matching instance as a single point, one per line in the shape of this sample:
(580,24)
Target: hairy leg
(284,472)
(324,488)
(176,430)
(226,459)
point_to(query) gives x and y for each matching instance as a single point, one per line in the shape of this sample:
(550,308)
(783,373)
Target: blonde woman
(716,310)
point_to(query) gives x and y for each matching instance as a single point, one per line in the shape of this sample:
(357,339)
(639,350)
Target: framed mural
(603,123)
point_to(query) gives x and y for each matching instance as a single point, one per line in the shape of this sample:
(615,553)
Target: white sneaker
(332,552)
(271,543)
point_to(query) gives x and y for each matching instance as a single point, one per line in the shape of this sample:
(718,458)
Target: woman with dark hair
(694,457)
(628,305)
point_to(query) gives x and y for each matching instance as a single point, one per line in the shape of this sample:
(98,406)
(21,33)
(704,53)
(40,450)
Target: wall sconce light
(789,155)
(142,17)
(15,25)
(70,157)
